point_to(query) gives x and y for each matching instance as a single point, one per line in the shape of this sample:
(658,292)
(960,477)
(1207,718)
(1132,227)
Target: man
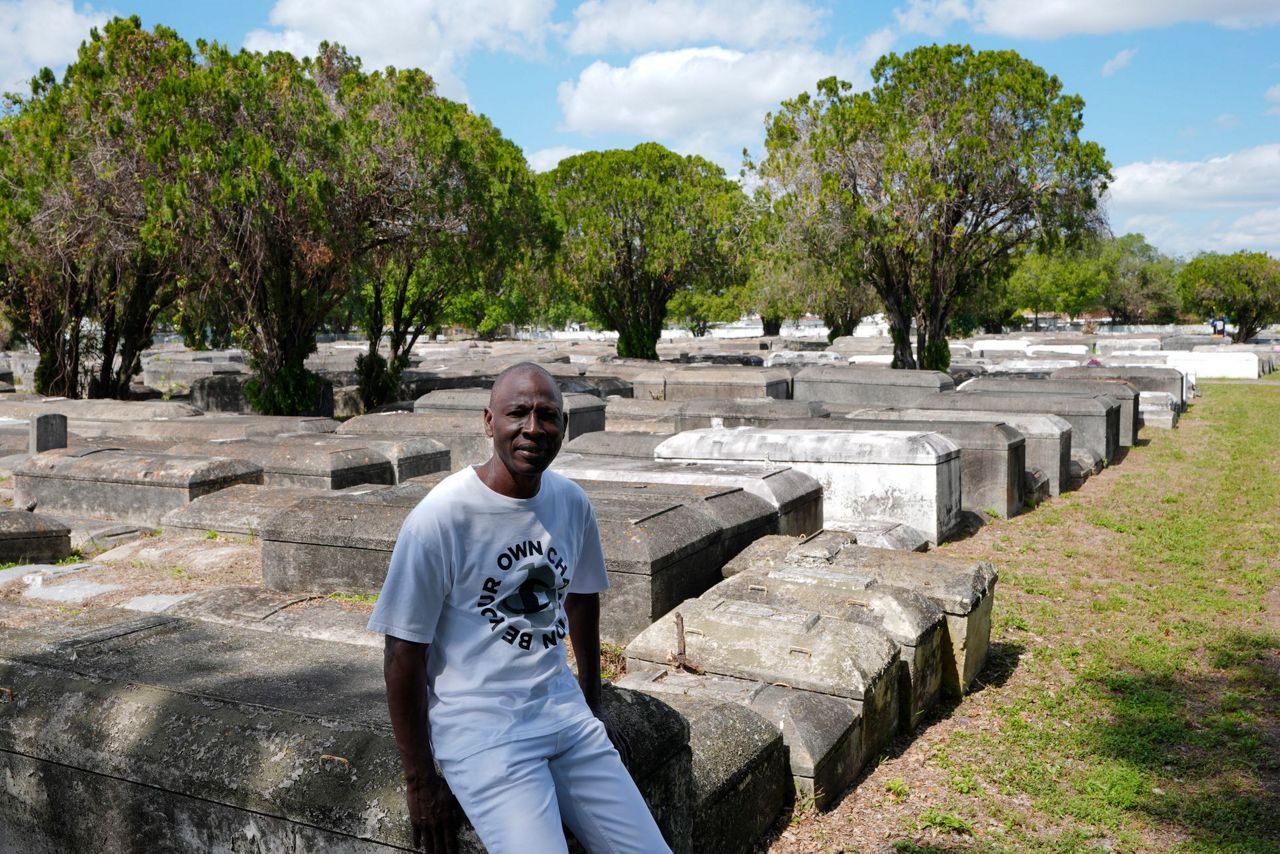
(489,574)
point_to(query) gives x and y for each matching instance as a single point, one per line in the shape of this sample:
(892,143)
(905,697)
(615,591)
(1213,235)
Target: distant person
(489,573)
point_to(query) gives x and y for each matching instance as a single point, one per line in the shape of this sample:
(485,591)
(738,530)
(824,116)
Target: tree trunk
(772,325)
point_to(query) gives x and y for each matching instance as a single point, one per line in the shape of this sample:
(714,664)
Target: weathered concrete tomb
(122,732)
(909,478)
(1121,392)
(868,386)
(586,412)
(32,537)
(123,485)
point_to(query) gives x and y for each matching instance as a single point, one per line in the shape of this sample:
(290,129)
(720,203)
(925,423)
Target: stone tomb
(586,411)
(713,382)
(298,464)
(1119,391)
(1142,377)
(868,386)
(238,510)
(909,478)
(32,538)
(462,433)
(992,460)
(1095,421)
(632,444)
(742,516)
(796,497)
(965,591)
(1048,437)
(795,646)
(330,461)
(913,622)
(125,486)
(822,734)
(118,743)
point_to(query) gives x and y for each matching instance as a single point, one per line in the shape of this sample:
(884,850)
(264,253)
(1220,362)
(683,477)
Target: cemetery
(936,512)
(778,587)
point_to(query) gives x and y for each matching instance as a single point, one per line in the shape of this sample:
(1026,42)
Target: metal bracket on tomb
(84,452)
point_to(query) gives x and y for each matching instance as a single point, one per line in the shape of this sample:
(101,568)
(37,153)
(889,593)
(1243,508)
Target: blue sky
(1184,95)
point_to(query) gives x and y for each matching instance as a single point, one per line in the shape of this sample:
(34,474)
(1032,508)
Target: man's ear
(488,422)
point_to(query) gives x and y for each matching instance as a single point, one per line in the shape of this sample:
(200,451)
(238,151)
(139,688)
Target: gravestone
(586,412)
(48,432)
(298,464)
(125,486)
(868,386)
(910,478)
(32,538)
(1122,393)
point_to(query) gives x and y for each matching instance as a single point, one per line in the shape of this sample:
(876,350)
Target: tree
(930,182)
(276,209)
(1068,282)
(1141,283)
(90,253)
(641,226)
(1245,287)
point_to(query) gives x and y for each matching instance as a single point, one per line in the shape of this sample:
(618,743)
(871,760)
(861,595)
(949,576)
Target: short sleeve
(589,576)
(412,597)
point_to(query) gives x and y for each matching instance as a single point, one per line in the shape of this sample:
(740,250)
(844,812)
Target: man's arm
(583,610)
(433,810)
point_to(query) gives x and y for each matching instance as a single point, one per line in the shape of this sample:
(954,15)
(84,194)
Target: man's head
(526,420)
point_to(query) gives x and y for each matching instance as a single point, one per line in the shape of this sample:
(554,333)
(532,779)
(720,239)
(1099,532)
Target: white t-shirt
(482,577)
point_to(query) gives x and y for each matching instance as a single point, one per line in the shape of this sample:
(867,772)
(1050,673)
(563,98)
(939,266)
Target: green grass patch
(354,598)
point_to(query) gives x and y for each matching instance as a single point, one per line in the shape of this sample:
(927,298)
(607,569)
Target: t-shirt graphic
(531,613)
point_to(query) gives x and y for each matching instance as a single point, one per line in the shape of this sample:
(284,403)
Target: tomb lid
(238,509)
(644,535)
(107,465)
(794,647)
(21,525)
(402,424)
(875,375)
(793,446)
(297,458)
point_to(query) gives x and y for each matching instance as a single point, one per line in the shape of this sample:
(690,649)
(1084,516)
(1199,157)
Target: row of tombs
(771,581)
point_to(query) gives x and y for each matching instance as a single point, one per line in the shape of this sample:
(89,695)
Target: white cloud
(1272,97)
(1227,121)
(710,100)
(39,33)
(630,26)
(932,17)
(1050,19)
(1120,61)
(1242,178)
(1217,204)
(435,35)
(546,159)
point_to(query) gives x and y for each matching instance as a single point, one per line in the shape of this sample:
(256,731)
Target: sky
(1184,95)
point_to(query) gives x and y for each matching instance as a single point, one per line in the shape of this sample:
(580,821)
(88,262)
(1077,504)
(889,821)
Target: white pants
(517,794)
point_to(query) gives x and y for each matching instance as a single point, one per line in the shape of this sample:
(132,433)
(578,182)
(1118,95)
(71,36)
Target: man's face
(526,421)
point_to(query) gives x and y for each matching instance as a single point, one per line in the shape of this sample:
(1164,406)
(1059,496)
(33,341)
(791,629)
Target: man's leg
(598,799)
(509,796)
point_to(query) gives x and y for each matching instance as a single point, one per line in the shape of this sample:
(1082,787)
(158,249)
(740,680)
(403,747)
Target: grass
(1158,729)
(1130,699)
(355,598)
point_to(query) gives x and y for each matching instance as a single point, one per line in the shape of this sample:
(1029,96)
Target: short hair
(521,367)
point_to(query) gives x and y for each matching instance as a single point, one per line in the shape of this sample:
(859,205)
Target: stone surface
(907,477)
(121,744)
(122,485)
(461,432)
(868,386)
(1121,392)
(1095,421)
(288,463)
(795,496)
(797,647)
(637,445)
(641,415)
(992,460)
(1143,378)
(237,510)
(73,591)
(822,734)
(913,622)
(586,412)
(32,537)
(964,590)
(48,431)
(758,412)
(714,382)
(1048,437)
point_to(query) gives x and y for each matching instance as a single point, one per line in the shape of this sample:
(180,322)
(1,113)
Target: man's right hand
(434,814)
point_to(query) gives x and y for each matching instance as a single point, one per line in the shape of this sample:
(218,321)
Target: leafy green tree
(640,227)
(1244,286)
(928,183)
(1141,283)
(90,251)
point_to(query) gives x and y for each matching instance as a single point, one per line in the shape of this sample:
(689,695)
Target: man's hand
(434,814)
